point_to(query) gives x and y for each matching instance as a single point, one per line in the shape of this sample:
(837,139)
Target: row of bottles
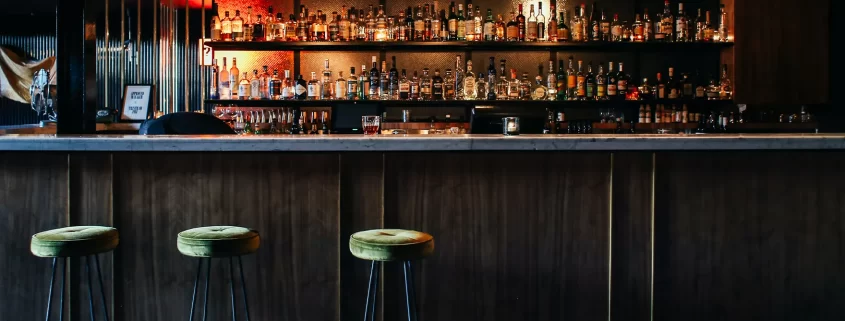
(427,22)
(282,121)
(463,83)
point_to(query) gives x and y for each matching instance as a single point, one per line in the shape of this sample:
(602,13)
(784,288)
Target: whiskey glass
(370,124)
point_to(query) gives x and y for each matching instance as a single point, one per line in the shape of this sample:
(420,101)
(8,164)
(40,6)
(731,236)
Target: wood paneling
(361,208)
(33,198)
(631,237)
(782,51)
(291,199)
(749,236)
(518,236)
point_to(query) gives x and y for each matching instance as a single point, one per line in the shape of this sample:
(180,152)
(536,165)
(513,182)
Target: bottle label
(570,81)
(300,90)
(340,90)
(582,87)
(419,26)
(415,89)
(687,89)
(602,90)
(488,30)
(461,29)
(673,93)
(255,90)
(622,86)
(563,34)
(469,86)
(539,93)
(699,91)
(352,87)
(226,26)
(531,30)
(312,90)
(237,27)
(513,32)
(591,90)
(611,89)
(225,93)
(404,87)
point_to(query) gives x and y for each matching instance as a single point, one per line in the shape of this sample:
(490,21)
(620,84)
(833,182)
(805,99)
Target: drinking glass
(370,124)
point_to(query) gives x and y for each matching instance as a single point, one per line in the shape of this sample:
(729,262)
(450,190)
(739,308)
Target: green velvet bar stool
(75,241)
(210,242)
(391,245)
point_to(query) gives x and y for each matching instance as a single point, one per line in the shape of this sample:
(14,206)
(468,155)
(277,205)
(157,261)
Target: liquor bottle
(531,28)
(314,87)
(291,27)
(549,125)
(723,24)
(300,90)
(326,87)
(661,88)
(375,78)
(686,86)
(646,92)
(562,92)
(551,81)
(381,25)
(453,22)
(638,28)
(436,23)
(700,89)
(725,88)
(601,83)
(226,28)
(641,114)
(275,86)
(425,85)
(538,90)
(491,77)
(524,87)
(581,82)
(617,29)
(288,86)
(363,24)
(363,84)
(666,24)
(214,86)
(563,32)
(437,85)
(384,82)
(259,29)
(371,24)
(502,84)
(489,32)
(216,28)
(699,28)
(247,25)
(512,33)
(469,24)
(482,88)
(415,87)
(279,28)
(302,25)
(352,85)
(709,33)
(577,25)
(461,21)
(320,27)
(648,114)
(234,79)
(590,82)
(479,25)
(612,91)
(334,27)
(621,83)
(681,25)
(459,77)
(238,27)
(407,26)
(513,86)
(673,92)
(343,25)
(255,86)
(541,23)
(339,87)
(595,33)
(571,81)
(269,25)
(449,86)
(520,24)
(551,26)
(404,87)
(605,27)
(393,87)
(469,92)
(500,29)
(648,27)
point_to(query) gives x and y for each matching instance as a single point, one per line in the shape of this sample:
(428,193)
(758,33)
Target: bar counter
(530,227)
(386,143)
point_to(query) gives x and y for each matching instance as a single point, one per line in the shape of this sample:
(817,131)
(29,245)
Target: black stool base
(372,292)
(231,289)
(90,288)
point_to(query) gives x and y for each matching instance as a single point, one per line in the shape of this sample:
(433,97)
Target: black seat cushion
(185,123)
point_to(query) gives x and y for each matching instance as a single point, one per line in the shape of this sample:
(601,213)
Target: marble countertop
(340,143)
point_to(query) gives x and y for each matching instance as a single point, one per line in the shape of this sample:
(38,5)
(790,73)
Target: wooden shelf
(434,46)
(466,103)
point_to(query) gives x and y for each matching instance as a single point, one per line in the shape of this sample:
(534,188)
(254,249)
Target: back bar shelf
(435,46)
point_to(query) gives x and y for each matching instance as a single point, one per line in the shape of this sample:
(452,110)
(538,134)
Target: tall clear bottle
(270,25)
(326,83)
(666,24)
(551,81)
(255,86)
(247,25)
(214,86)
(502,85)
(238,27)
(531,28)
(216,28)
(469,91)
(244,89)
(459,77)
(226,28)
(541,23)
(339,87)
(469,24)
(234,78)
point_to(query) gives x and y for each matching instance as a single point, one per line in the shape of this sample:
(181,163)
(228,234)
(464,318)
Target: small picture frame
(138,103)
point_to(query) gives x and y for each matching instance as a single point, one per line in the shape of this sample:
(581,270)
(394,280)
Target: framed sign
(138,103)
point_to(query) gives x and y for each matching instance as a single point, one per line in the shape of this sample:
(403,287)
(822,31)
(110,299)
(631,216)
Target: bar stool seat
(391,245)
(218,241)
(74,241)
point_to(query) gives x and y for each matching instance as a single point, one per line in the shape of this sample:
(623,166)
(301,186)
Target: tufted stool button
(385,245)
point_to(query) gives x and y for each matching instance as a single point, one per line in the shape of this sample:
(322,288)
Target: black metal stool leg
(62,294)
(410,292)
(372,292)
(90,291)
(194,294)
(205,296)
(50,295)
(232,288)
(102,291)
(243,287)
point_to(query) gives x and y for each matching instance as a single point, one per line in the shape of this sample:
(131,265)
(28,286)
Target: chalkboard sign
(138,103)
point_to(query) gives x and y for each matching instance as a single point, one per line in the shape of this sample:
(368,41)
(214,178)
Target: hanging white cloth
(16,74)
